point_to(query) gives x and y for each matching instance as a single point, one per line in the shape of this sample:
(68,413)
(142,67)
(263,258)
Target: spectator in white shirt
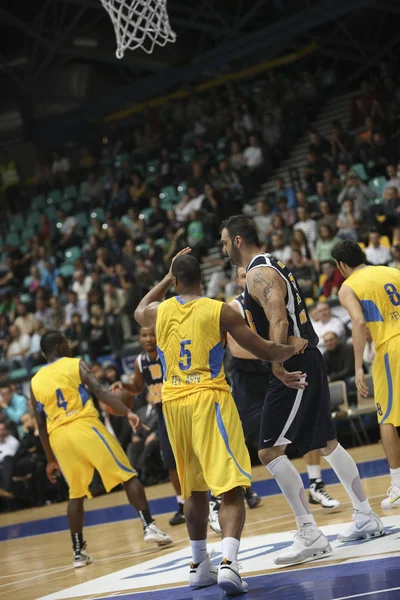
(278,248)
(82,285)
(192,200)
(8,448)
(253,154)
(375,253)
(307,225)
(263,220)
(324,322)
(18,347)
(68,229)
(75,306)
(393,180)
(25,321)
(60,165)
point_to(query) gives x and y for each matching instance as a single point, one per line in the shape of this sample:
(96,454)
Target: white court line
(367,594)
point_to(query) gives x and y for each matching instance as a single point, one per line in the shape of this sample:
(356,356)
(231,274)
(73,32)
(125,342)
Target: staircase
(337,108)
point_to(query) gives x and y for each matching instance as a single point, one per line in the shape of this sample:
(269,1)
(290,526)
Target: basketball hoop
(139,24)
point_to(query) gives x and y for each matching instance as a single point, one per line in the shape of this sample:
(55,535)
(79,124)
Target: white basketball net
(139,24)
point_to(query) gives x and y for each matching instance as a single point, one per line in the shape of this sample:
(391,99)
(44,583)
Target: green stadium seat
(360,170)
(72,254)
(13,239)
(16,223)
(70,192)
(98,213)
(120,159)
(51,213)
(146,212)
(25,298)
(67,206)
(36,369)
(82,219)
(166,205)
(18,374)
(153,166)
(28,233)
(188,155)
(161,242)
(188,137)
(32,219)
(221,143)
(38,202)
(182,187)
(377,184)
(67,270)
(54,197)
(150,179)
(143,248)
(168,193)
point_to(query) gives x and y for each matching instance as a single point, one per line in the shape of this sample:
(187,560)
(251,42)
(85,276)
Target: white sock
(230,548)
(199,550)
(346,470)
(395,473)
(179,500)
(292,488)
(314,471)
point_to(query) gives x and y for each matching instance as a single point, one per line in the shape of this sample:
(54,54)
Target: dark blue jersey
(152,375)
(297,314)
(248,365)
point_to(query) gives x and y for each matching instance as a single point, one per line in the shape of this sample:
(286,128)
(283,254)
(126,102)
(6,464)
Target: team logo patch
(256,556)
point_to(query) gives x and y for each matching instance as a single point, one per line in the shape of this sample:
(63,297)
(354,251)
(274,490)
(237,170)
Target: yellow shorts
(387,382)
(207,439)
(84,445)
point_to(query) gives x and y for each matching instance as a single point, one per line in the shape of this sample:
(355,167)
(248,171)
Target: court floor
(36,549)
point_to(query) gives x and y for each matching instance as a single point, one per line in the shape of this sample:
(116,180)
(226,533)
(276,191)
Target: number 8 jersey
(60,393)
(378,290)
(190,347)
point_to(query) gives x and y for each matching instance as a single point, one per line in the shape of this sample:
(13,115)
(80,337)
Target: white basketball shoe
(229,579)
(393,498)
(309,544)
(154,535)
(203,574)
(364,526)
(81,557)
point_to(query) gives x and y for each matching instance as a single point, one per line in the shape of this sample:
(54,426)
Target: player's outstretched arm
(52,468)
(350,302)
(103,394)
(146,312)
(233,323)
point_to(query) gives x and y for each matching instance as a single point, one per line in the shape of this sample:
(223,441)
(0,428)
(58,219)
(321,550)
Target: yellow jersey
(378,290)
(60,393)
(190,347)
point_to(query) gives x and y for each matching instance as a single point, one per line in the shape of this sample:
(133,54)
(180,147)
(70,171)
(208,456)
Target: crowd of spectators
(103,226)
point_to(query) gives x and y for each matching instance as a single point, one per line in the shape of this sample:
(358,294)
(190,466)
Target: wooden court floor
(32,567)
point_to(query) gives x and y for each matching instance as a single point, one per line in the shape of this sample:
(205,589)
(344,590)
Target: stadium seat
(38,202)
(54,197)
(51,213)
(27,233)
(67,206)
(377,184)
(143,248)
(98,213)
(32,219)
(36,369)
(16,223)
(182,187)
(168,193)
(70,192)
(120,159)
(146,212)
(221,143)
(161,242)
(153,166)
(13,239)
(188,155)
(67,270)
(72,254)
(360,170)
(18,373)
(82,219)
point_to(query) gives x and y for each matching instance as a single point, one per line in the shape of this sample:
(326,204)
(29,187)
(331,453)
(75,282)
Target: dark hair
(50,340)
(348,253)
(243,227)
(186,269)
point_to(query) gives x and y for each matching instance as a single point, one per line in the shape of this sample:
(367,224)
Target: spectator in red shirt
(333,280)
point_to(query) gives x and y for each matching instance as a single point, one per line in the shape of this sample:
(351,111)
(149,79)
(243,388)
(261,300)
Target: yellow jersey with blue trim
(378,290)
(60,393)
(190,347)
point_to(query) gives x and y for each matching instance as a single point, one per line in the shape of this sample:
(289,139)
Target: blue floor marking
(315,583)
(112,514)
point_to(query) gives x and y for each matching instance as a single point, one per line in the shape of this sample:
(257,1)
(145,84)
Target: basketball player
(372,297)
(76,442)
(249,387)
(148,373)
(203,424)
(297,404)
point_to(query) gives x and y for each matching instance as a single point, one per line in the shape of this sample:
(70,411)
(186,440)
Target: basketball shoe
(319,495)
(179,517)
(153,534)
(309,544)
(81,557)
(229,579)
(393,498)
(203,574)
(252,498)
(364,526)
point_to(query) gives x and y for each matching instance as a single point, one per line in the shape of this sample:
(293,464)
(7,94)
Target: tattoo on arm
(266,285)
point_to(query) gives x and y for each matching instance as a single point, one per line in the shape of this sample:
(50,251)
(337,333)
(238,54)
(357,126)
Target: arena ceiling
(58,55)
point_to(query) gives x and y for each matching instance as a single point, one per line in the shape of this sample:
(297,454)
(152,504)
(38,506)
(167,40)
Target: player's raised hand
(295,379)
(361,384)
(299,344)
(135,422)
(53,471)
(118,385)
(180,253)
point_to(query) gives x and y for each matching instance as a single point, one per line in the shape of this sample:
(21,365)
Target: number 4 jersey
(378,290)
(60,393)
(190,347)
